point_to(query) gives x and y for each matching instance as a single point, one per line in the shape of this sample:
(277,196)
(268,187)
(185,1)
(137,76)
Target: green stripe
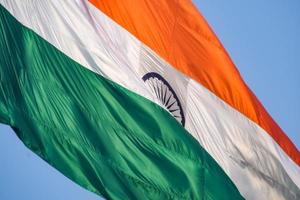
(102,136)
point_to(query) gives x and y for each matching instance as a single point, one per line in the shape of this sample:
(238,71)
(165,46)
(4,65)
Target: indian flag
(138,99)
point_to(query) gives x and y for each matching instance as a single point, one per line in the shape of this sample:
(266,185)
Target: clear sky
(262,38)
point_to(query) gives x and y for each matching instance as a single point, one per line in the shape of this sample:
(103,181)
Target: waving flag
(137,99)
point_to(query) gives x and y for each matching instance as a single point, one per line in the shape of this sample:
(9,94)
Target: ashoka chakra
(165,94)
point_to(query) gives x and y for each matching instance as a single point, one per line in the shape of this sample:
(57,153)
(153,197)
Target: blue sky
(262,38)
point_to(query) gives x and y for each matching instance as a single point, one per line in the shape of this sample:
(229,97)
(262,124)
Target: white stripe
(251,158)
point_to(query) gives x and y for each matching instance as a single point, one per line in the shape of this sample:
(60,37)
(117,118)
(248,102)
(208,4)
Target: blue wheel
(165,94)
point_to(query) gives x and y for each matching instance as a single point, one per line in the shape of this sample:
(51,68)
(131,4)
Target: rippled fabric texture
(104,137)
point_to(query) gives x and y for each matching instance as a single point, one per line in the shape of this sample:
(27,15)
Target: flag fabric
(137,99)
